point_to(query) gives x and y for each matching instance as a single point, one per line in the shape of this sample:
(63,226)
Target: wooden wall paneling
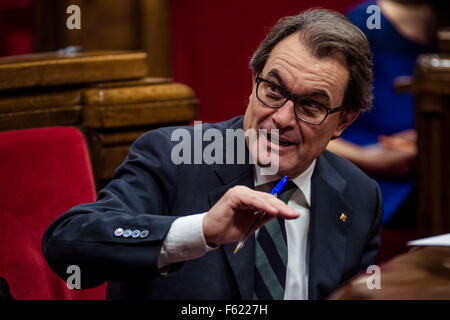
(446,165)
(432,97)
(429,127)
(156,36)
(108,25)
(111,25)
(50,30)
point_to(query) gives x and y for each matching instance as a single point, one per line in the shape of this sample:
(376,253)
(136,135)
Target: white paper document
(440,240)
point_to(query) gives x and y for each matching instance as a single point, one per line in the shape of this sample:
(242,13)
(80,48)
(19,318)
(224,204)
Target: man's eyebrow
(319,94)
(274,73)
(315,93)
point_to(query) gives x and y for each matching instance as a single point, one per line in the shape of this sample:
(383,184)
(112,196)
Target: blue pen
(276,192)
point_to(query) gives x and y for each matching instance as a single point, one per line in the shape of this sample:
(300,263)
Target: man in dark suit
(167,229)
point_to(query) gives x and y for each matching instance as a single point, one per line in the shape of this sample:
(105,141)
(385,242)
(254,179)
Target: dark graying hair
(325,33)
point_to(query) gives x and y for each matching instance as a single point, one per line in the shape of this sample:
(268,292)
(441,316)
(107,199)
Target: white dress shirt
(185,239)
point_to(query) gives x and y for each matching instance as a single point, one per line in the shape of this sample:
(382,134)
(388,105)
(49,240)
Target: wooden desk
(421,274)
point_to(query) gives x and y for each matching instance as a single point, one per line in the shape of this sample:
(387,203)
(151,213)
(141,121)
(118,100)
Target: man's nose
(284,117)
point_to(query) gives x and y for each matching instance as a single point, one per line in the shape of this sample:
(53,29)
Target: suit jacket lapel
(327,233)
(241,263)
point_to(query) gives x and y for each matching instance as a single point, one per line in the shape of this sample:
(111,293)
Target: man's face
(292,67)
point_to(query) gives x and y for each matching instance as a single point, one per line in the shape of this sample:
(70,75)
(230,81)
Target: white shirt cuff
(184,241)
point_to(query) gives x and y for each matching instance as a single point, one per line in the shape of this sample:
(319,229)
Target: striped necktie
(271,255)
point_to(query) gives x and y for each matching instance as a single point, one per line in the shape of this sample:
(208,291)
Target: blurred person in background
(383,141)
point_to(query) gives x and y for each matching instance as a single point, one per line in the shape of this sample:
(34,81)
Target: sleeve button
(144,233)
(118,232)
(127,233)
(135,234)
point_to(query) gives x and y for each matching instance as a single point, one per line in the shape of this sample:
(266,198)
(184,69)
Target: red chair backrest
(43,173)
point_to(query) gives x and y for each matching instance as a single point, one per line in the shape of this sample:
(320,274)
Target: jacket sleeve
(138,198)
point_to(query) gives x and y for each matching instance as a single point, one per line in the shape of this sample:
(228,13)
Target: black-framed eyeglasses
(306,109)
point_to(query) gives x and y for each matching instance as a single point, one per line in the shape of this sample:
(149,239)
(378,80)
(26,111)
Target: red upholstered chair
(43,173)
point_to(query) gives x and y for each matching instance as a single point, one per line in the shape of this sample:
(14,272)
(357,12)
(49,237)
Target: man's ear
(253,83)
(347,119)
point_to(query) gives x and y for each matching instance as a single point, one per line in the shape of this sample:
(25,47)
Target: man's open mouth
(282,142)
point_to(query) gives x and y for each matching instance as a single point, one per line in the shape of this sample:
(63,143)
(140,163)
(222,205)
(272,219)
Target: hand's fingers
(229,219)
(399,144)
(246,198)
(410,134)
(286,211)
(265,219)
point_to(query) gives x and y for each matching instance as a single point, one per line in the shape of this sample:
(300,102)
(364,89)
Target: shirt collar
(302,181)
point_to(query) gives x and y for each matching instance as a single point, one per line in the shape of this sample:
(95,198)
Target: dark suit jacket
(150,192)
